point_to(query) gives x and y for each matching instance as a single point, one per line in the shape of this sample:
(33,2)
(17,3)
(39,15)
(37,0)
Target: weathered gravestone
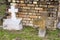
(13,23)
(58,25)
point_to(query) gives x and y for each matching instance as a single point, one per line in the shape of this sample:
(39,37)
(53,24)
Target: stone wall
(59,10)
(34,9)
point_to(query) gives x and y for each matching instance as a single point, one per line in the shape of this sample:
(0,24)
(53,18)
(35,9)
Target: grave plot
(46,11)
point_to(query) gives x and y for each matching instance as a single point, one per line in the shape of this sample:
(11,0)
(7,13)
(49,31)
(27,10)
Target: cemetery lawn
(28,33)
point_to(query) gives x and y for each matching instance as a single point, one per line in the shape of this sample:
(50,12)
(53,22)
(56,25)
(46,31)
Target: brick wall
(34,9)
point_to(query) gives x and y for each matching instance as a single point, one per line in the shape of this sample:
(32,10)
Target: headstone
(13,23)
(41,33)
(58,26)
(42,29)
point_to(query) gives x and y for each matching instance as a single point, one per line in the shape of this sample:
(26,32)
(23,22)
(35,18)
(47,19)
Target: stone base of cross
(12,24)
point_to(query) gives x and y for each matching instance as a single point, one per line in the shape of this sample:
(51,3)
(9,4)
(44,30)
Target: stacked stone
(52,14)
(58,25)
(59,10)
(34,9)
(31,9)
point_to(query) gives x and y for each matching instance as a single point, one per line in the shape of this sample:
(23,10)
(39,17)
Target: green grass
(28,33)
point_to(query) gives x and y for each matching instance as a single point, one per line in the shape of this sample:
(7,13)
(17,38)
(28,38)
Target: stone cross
(13,11)
(13,23)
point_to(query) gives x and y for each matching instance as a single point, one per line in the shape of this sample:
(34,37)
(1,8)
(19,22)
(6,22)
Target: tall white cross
(13,11)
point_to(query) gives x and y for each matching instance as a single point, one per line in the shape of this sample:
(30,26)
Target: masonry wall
(29,10)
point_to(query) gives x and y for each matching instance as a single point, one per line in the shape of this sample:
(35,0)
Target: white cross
(13,11)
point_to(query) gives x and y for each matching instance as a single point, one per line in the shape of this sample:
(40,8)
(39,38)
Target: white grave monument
(13,23)
(58,25)
(41,33)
